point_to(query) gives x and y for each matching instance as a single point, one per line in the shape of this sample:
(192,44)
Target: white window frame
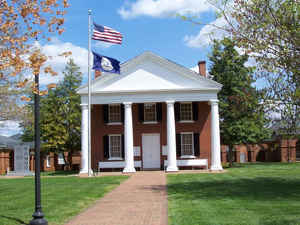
(186,121)
(114,123)
(181,149)
(60,159)
(48,162)
(115,158)
(155,114)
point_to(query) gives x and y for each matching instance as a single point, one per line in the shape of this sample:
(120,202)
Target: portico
(151,84)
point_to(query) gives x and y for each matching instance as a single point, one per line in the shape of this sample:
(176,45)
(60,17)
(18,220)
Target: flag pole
(89,96)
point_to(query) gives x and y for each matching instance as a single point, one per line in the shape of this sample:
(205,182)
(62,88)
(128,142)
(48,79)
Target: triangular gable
(149,72)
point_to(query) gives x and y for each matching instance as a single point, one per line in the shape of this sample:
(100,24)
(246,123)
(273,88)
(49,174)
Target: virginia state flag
(106,64)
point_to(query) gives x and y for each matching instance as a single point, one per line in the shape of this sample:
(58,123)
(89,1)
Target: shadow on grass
(59,173)
(281,222)
(14,219)
(259,188)
(259,164)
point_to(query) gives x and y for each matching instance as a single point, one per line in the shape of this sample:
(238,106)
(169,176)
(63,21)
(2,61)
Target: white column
(128,136)
(84,138)
(171,138)
(215,137)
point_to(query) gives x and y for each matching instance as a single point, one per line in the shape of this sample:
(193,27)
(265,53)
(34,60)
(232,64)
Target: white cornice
(212,90)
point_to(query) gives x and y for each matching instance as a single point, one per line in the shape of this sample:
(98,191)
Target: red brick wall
(99,129)
(44,162)
(6,161)
(271,151)
(288,150)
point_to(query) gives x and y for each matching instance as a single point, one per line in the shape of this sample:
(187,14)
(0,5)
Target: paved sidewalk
(140,200)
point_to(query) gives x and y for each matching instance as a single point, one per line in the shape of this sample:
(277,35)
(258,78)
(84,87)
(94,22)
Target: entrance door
(151,151)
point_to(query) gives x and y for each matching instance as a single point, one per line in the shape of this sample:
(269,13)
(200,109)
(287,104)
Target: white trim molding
(193,150)
(151,96)
(190,162)
(117,164)
(109,147)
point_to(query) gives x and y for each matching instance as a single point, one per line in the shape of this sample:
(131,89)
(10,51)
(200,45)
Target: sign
(21,161)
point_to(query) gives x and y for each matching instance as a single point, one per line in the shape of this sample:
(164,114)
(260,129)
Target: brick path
(140,200)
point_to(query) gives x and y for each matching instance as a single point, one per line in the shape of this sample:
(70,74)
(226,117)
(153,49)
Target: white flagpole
(89,96)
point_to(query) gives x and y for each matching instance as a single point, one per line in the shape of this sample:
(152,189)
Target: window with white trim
(114,113)
(149,112)
(186,111)
(187,144)
(61,160)
(48,162)
(115,145)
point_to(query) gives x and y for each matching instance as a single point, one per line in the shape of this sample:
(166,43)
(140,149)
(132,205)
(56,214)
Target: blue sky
(147,25)
(163,34)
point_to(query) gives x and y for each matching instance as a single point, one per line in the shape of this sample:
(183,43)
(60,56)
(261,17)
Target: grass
(249,194)
(62,197)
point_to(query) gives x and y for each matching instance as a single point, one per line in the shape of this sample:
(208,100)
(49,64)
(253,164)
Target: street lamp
(38,215)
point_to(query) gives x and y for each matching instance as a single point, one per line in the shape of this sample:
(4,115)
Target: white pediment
(150,73)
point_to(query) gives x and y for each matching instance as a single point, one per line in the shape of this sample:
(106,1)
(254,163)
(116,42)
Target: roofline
(185,71)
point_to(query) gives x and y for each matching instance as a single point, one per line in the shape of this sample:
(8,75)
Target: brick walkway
(140,200)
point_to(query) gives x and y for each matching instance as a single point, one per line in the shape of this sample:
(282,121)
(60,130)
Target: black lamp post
(38,215)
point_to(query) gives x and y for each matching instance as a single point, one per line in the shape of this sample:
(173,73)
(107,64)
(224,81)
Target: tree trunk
(230,155)
(288,150)
(70,160)
(66,165)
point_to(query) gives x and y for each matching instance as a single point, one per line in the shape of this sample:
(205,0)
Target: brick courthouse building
(155,115)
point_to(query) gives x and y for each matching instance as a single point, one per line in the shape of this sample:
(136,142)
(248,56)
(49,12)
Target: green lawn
(62,197)
(251,194)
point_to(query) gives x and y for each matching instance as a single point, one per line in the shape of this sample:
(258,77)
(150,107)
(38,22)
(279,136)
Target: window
(186,112)
(149,112)
(61,160)
(115,147)
(114,113)
(48,162)
(187,145)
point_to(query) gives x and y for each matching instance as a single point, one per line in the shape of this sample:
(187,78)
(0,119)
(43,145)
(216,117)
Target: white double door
(151,151)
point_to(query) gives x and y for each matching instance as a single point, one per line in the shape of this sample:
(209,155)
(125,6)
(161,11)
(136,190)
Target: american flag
(107,34)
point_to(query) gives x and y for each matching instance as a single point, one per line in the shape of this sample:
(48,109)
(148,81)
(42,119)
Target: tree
(61,114)
(268,28)
(22,23)
(241,116)
(269,31)
(10,107)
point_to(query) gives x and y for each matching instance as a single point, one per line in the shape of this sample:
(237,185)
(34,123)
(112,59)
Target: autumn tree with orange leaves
(22,22)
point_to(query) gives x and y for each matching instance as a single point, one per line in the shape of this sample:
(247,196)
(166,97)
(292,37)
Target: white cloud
(163,8)
(195,69)
(58,63)
(9,128)
(207,34)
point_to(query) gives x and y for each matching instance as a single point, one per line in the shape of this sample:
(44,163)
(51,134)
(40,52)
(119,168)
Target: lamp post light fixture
(38,215)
